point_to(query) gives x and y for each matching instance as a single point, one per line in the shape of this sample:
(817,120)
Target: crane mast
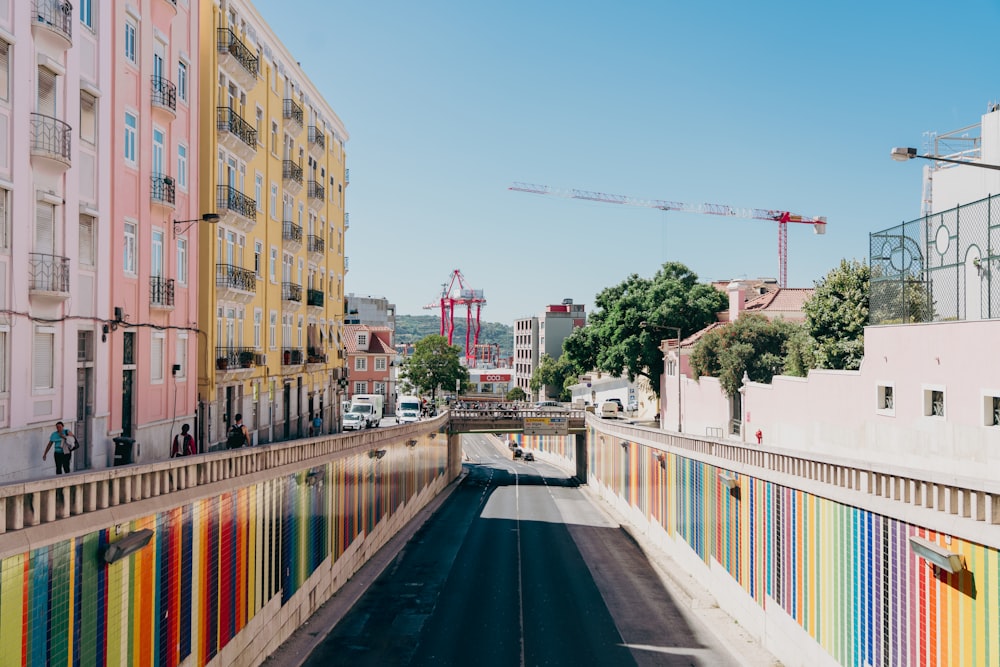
(774,215)
(455,293)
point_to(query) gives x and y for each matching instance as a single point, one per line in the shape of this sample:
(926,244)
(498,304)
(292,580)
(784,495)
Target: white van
(609,410)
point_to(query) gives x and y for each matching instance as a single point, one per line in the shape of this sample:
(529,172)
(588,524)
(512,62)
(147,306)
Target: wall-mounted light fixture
(127,546)
(730,480)
(376,453)
(662,460)
(205,217)
(411,443)
(624,444)
(936,555)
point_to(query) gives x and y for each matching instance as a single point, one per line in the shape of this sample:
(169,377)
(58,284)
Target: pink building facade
(370,353)
(153,335)
(55,81)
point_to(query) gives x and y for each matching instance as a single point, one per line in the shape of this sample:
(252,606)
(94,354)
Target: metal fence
(939,267)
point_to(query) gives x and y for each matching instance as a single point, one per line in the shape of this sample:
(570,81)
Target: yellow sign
(546,426)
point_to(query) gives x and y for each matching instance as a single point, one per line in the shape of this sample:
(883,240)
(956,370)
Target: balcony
(172,3)
(161,293)
(317,141)
(291,234)
(235,208)
(291,356)
(55,17)
(49,275)
(235,283)
(235,133)
(315,298)
(292,112)
(316,193)
(291,174)
(51,139)
(291,292)
(229,359)
(236,58)
(315,356)
(162,190)
(164,95)
(315,244)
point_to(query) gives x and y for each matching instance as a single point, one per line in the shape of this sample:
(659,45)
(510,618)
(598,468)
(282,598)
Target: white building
(543,334)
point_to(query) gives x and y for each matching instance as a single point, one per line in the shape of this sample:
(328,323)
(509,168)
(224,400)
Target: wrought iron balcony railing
(49,273)
(50,136)
(316,191)
(228,42)
(161,291)
(230,358)
(227,120)
(291,292)
(292,111)
(314,297)
(291,356)
(235,277)
(164,92)
(291,232)
(228,197)
(290,171)
(315,243)
(316,137)
(57,14)
(162,189)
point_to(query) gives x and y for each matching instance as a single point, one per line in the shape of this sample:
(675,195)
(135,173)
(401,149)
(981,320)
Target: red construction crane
(455,293)
(779,216)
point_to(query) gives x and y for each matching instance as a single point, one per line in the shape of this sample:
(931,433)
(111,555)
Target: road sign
(546,426)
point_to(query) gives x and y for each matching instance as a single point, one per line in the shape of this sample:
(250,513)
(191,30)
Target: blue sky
(784,105)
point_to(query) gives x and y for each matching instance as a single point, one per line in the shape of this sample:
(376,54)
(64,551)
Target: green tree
(516,394)
(752,344)
(434,364)
(616,341)
(836,316)
(551,373)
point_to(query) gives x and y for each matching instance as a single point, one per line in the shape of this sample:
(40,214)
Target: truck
(369,405)
(407,409)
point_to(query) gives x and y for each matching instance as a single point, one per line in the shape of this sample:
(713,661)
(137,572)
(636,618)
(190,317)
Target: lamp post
(648,326)
(903,153)
(205,217)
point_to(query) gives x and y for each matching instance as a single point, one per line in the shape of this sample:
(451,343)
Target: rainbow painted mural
(209,569)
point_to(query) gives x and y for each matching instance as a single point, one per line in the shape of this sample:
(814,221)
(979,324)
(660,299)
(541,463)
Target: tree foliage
(615,340)
(836,316)
(516,394)
(554,374)
(434,364)
(752,344)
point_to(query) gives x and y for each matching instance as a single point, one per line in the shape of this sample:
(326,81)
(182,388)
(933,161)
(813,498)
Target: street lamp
(647,325)
(902,154)
(205,217)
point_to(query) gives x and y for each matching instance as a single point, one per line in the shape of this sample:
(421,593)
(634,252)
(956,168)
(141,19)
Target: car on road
(546,405)
(621,408)
(518,453)
(528,456)
(610,410)
(354,421)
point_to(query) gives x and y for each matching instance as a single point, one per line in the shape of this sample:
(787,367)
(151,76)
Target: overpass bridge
(246,544)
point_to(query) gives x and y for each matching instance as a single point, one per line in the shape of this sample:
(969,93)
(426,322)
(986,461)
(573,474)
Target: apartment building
(370,355)
(155,207)
(55,76)
(543,334)
(272,265)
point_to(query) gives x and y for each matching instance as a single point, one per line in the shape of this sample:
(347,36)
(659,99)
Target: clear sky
(768,104)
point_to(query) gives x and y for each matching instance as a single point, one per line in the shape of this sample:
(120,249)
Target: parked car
(621,408)
(354,421)
(518,453)
(610,410)
(528,456)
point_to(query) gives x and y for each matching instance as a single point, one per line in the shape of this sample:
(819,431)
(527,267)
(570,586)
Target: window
(46,92)
(273,266)
(274,137)
(43,368)
(933,402)
(88,118)
(360,387)
(180,358)
(258,250)
(4,70)
(363,340)
(4,219)
(379,388)
(182,80)
(258,318)
(258,188)
(380,363)
(87,13)
(130,35)
(128,349)
(87,229)
(182,167)
(260,126)
(131,128)
(129,258)
(361,363)
(156,254)
(3,361)
(182,261)
(274,201)
(272,330)
(299,333)
(156,357)
(885,399)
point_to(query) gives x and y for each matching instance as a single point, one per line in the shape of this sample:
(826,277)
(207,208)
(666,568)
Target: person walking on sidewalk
(60,441)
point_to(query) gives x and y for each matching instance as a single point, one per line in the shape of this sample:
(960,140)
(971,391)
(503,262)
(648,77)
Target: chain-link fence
(939,267)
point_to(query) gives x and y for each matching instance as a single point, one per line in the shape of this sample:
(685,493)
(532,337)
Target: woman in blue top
(59,439)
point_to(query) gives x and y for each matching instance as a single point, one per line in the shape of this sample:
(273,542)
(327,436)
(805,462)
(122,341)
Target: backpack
(236,438)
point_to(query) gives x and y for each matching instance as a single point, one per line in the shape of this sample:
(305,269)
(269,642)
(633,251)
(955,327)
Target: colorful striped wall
(847,576)
(209,569)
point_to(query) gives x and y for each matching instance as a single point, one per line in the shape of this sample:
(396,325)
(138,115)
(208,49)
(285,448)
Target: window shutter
(46,92)
(156,358)
(44,228)
(42,361)
(86,240)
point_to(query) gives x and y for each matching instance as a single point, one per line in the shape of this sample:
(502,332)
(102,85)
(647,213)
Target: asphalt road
(518,567)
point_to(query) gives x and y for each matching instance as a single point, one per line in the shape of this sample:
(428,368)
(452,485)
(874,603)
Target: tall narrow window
(258,317)
(4,70)
(131,129)
(87,13)
(45,228)
(87,230)
(46,92)
(3,361)
(130,47)
(272,330)
(4,219)
(258,191)
(182,81)
(158,152)
(272,267)
(156,257)
(182,166)
(156,357)
(180,359)
(182,261)
(43,376)
(128,258)
(258,251)
(88,118)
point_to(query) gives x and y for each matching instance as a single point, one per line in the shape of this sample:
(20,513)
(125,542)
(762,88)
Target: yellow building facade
(271,267)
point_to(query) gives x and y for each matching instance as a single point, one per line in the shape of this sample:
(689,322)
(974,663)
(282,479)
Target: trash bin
(123,450)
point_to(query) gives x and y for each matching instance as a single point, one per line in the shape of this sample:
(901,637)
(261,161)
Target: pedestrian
(317,425)
(183,444)
(59,441)
(238,435)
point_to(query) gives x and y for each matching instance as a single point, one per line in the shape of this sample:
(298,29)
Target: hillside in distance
(411,328)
